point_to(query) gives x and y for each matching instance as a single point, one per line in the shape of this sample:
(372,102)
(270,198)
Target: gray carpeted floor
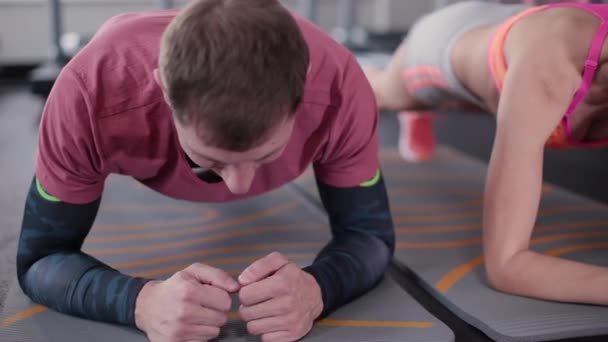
(18,115)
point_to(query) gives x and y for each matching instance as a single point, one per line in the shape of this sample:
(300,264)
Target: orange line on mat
(566,236)
(395,191)
(206,239)
(443,190)
(439,216)
(215,251)
(459,272)
(398,173)
(360,324)
(34,310)
(569,208)
(239,220)
(439,245)
(417,207)
(374,324)
(432,175)
(575,248)
(401,219)
(564,225)
(216,262)
(438,229)
(129,207)
(452,277)
(473,226)
(208,215)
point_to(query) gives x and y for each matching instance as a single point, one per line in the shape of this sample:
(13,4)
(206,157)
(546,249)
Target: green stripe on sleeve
(372,181)
(44,194)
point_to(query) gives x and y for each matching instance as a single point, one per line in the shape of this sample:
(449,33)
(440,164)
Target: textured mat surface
(437,209)
(145,234)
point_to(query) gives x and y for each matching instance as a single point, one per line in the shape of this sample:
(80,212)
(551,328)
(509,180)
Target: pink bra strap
(589,72)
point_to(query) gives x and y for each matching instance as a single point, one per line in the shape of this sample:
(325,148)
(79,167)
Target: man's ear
(159,81)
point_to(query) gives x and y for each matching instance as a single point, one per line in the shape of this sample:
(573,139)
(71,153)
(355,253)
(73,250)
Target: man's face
(237,169)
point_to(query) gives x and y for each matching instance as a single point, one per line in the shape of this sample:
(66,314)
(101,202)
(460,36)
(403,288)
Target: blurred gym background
(37,37)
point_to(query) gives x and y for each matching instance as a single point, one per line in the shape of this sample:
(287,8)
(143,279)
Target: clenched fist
(190,306)
(279,301)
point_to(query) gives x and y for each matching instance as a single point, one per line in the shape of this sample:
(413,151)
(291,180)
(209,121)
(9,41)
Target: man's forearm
(362,246)
(53,271)
(349,267)
(78,285)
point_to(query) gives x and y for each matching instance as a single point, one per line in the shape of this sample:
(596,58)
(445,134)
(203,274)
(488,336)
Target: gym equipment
(63,47)
(309,9)
(143,233)
(43,77)
(348,32)
(166,4)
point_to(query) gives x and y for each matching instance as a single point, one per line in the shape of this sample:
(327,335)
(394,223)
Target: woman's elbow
(498,276)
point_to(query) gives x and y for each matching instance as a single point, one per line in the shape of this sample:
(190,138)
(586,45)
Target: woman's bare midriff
(470,63)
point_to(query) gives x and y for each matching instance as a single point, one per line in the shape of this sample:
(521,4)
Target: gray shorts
(427,68)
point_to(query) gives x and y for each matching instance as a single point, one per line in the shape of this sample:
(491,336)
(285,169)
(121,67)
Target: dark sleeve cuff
(134,290)
(316,270)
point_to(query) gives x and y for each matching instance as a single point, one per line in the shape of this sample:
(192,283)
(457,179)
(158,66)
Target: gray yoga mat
(146,234)
(437,211)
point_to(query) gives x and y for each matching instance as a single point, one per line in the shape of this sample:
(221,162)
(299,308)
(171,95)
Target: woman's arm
(538,90)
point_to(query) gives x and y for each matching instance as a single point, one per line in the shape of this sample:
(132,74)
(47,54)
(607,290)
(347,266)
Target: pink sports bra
(561,137)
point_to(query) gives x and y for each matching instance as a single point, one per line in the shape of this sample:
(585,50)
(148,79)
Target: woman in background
(543,72)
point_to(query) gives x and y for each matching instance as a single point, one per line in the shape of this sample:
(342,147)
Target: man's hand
(279,301)
(191,306)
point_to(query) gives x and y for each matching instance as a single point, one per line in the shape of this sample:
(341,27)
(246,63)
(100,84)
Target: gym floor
(18,116)
(19,112)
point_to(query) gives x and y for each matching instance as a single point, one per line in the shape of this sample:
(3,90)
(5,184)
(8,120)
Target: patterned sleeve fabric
(53,270)
(363,242)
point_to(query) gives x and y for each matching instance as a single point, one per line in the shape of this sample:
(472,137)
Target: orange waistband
(496,57)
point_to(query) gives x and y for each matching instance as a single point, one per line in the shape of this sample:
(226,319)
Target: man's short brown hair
(238,67)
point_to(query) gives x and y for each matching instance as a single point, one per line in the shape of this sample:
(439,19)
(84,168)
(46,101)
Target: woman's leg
(389,87)
(416,135)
